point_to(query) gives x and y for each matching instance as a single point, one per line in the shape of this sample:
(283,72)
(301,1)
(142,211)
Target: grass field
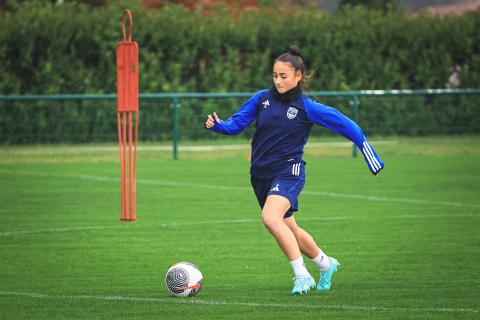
(408,240)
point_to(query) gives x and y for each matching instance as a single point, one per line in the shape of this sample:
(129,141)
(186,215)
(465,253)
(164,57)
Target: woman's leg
(272,216)
(307,244)
(309,247)
(305,241)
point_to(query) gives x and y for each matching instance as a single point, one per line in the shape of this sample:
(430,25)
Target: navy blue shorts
(288,184)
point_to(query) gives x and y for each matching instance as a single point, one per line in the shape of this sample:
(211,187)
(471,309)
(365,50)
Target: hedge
(70,48)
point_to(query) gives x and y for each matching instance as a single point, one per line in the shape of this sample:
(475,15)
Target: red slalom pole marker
(127,106)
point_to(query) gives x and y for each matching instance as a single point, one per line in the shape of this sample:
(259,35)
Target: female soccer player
(284,116)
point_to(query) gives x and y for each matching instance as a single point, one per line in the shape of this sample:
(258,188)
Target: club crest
(292,112)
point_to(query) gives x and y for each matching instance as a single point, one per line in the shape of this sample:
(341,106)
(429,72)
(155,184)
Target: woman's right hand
(210,121)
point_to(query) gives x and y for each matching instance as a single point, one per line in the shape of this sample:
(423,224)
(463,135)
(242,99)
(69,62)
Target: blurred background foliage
(70,48)
(59,48)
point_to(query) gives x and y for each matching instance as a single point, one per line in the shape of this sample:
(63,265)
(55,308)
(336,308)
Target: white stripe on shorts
(296,169)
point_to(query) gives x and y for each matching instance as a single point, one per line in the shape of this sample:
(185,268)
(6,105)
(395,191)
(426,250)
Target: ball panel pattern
(177,277)
(196,290)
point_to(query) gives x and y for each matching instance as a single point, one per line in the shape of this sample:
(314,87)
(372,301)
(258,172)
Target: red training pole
(126,163)
(130,166)
(127,104)
(135,167)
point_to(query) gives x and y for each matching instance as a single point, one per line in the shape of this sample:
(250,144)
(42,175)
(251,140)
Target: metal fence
(80,118)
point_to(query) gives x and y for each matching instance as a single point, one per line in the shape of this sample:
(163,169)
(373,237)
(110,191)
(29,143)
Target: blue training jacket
(282,130)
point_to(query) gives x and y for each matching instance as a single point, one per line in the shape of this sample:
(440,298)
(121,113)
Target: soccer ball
(184,279)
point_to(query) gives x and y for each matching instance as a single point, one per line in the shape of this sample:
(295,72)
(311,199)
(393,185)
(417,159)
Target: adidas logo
(275,188)
(265,104)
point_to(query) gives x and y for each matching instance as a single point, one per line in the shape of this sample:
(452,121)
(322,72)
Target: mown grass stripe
(35,295)
(222,187)
(234,221)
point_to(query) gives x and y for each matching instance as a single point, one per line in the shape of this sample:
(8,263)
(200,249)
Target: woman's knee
(269,220)
(274,210)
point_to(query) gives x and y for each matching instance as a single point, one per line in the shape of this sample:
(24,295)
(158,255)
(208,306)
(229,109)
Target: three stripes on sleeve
(373,160)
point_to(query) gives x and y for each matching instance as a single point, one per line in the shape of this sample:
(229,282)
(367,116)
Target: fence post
(175,107)
(355,104)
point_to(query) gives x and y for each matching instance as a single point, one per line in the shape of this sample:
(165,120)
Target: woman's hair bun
(294,51)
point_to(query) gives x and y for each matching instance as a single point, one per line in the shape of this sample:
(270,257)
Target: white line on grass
(51,230)
(220,187)
(162,225)
(34,295)
(389,199)
(235,221)
(195,148)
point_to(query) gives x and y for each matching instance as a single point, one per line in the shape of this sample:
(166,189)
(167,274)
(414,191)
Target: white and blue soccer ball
(184,279)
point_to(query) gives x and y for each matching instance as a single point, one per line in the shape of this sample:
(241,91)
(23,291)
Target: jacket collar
(289,96)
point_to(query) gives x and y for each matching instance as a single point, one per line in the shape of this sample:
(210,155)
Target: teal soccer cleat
(302,284)
(325,281)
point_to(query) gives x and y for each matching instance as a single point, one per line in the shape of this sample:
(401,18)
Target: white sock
(299,267)
(322,261)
